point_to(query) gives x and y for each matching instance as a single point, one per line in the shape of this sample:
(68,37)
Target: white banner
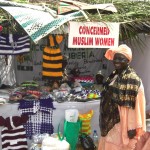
(93,35)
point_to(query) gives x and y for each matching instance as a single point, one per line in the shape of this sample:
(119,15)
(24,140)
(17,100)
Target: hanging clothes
(52,59)
(13,44)
(40,114)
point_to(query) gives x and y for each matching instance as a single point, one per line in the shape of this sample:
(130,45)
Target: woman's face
(120,61)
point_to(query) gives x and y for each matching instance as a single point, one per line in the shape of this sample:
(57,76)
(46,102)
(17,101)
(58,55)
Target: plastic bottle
(95,138)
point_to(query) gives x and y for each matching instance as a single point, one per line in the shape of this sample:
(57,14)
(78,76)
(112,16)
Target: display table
(7,110)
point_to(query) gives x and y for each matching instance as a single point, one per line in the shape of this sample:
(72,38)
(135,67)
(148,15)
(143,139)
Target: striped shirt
(14,139)
(52,59)
(14,44)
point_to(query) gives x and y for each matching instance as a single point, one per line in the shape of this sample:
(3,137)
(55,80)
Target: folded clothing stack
(2,100)
(86,81)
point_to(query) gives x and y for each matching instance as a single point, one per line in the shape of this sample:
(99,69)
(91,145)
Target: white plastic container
(71,115)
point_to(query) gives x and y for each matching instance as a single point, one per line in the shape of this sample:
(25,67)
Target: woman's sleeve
(137,117)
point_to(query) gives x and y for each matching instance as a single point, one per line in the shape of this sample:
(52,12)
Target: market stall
(30,57)
(59,113)
(85,50)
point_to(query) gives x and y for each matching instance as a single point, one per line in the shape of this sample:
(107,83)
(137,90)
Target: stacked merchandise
(37,104)
(86,81)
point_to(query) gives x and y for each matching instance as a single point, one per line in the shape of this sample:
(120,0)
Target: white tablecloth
(7,110)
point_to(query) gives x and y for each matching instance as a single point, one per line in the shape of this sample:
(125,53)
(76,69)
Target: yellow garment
(86,122)
(52,59)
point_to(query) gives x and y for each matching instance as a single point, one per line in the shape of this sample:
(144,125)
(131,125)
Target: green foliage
(96,1)
(133,16)
(20,1)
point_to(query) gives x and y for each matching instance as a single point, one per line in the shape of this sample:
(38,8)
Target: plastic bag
(71,133)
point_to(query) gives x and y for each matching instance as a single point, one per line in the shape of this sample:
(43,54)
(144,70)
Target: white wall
(141,63)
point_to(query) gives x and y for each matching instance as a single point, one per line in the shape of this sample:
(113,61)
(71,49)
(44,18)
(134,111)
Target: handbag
(86,142)
(71,133)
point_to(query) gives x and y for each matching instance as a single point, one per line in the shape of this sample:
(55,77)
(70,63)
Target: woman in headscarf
(122,108)
(99,77)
